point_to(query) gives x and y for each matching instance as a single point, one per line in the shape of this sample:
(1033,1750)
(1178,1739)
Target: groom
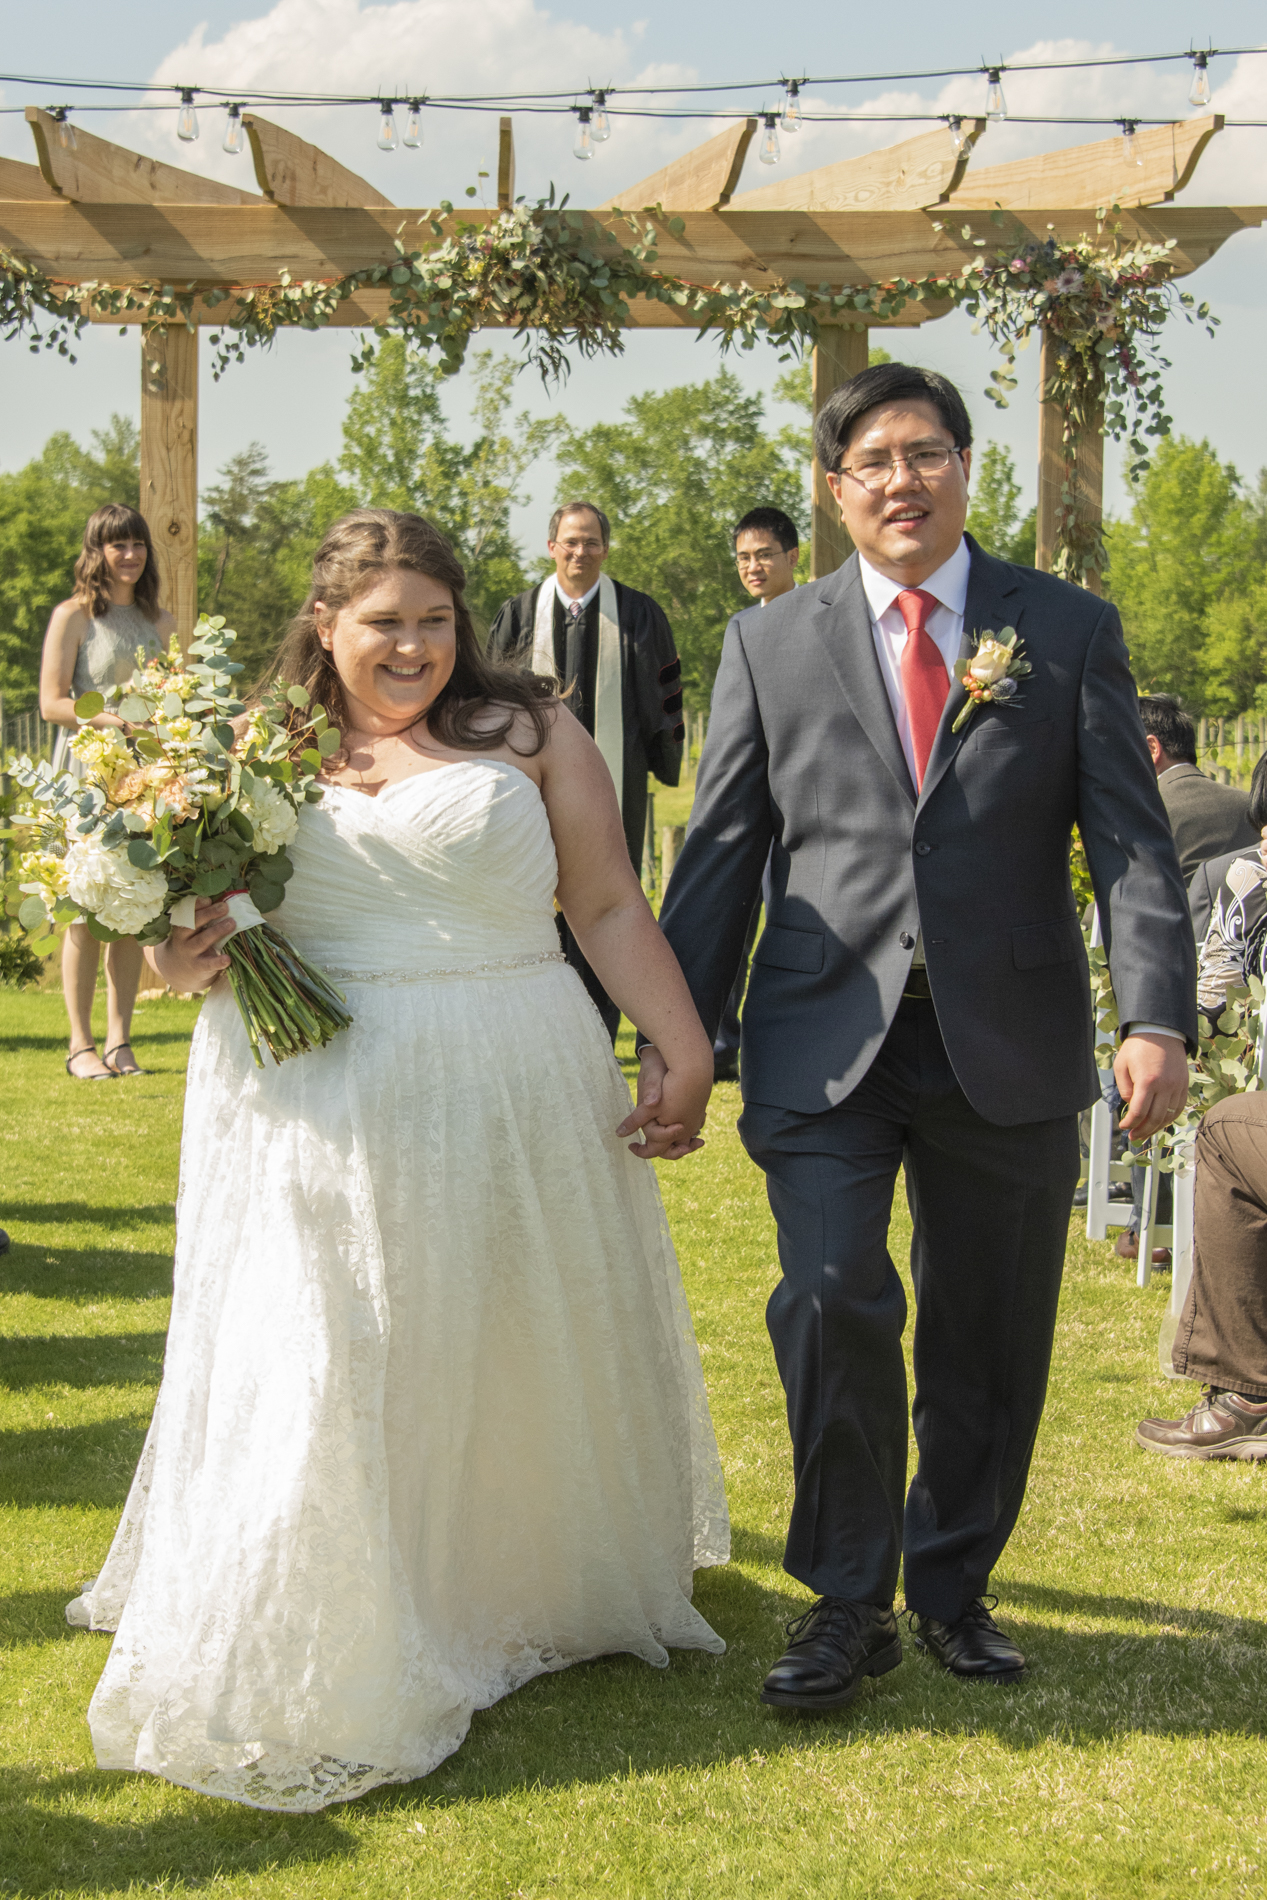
(919,999)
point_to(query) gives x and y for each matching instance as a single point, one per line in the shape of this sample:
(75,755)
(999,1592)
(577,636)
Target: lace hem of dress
(497,966)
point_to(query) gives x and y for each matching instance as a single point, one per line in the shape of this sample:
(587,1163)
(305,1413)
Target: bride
(432,1419)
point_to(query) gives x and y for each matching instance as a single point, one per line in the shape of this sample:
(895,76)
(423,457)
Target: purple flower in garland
(1069,280)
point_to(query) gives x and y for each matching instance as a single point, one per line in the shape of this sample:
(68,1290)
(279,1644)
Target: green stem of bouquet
(284,1002)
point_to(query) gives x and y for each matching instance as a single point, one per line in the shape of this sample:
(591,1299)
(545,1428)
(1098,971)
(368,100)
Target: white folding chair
(1102,1169)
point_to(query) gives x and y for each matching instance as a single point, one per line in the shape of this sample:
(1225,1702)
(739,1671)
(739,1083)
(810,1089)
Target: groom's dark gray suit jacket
(803,760)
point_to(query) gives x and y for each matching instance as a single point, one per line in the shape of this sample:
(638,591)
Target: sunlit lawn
(1132,1761)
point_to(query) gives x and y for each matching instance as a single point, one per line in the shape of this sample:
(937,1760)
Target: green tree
(674,476)
(994,513)
(1191,543)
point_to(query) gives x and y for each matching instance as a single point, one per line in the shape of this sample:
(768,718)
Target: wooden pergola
(101,213)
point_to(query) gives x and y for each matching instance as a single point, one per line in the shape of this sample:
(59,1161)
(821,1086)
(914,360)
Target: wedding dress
(432,1419)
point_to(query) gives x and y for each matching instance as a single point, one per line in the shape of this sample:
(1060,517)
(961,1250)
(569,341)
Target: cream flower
(119,894)
(103,753)
(990,662)
(45,876)
(273,818)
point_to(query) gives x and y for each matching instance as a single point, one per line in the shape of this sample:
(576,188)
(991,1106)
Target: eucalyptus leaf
(297,695)
(142,853)
(134,710)
(31,913)
(328,744)
(88,705)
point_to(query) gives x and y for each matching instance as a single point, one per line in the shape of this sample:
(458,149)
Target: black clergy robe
(651,693)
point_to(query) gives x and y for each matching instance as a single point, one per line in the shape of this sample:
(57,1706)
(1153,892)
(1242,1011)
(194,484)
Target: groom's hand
(669,1109)
(1152,1075)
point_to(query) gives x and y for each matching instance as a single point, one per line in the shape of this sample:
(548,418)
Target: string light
(387,125)
(65,130)
(958,136)
(1199,90)
(187,117)
(1129,128)
(791,120)
(234,133)
(769,152)
(995,103)
(584,147)
(413,126)
(600,124)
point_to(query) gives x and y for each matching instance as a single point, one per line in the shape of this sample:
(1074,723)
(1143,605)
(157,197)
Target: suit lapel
(991,605)
(842,624)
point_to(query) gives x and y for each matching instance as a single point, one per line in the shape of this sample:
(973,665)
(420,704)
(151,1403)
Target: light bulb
(600,124)
(234,132)
(769,152)
(958,136)
(187,118)
(584,147)
(413,126)
(387,127)
(791,120)
(1199,91)
(65,131)
(1128,139)
(995,103)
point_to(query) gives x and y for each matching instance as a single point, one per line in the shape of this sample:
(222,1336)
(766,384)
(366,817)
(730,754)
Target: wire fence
(25,733)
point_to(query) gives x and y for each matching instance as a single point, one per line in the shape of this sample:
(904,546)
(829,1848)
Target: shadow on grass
(75,1464)
(81,1360)
(63,1213)
(56,1045)
(52,1849)
(84,1274)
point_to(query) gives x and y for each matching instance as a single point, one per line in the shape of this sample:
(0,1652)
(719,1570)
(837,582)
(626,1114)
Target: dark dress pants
(990,1207)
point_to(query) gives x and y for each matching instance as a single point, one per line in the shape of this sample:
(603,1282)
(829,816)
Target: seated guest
(1209,890)
(1222,1336)
(767,549)
(1206,818)
(611,649)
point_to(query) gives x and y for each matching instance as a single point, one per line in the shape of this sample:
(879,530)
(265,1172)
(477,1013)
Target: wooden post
(672,838)
(169,466)
(1240,739)
(648,845)
(838,355)
(1051,471)
(506,165)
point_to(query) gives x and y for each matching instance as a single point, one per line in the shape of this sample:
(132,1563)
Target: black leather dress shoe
(974,1647)
(830,1649)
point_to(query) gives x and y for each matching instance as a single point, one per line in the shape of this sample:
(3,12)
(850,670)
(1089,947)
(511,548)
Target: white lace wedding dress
(432,1420)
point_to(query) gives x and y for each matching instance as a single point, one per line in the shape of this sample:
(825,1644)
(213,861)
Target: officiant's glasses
(876,471)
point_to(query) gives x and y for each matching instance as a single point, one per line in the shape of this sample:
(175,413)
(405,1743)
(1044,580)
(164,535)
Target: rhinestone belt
(426,976)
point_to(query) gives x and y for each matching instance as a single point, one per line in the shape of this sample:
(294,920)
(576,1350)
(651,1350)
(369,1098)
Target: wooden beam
(289,171)
(214,245)
(840,354)
(1097,174)
(505,165)
(26,182)
(702,180)
(1053,471)
(919,171)
(98,173)
(169,466)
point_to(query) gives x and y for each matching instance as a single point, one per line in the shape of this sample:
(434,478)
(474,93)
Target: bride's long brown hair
(362,545)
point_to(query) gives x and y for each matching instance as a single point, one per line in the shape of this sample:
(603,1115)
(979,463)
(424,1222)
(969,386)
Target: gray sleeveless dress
(106,657)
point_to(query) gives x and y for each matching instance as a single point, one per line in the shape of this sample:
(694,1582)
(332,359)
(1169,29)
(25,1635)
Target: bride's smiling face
(393,647)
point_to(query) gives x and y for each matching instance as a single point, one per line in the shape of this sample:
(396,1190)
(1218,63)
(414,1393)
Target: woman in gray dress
(91,644)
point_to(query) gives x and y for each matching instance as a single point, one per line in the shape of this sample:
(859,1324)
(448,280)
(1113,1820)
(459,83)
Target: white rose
(118,894)
(273,818)
(990,662)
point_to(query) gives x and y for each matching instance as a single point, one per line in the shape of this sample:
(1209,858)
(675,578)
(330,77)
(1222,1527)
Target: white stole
(609,710)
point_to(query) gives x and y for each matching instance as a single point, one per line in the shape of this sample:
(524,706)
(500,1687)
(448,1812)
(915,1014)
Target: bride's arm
(611,920)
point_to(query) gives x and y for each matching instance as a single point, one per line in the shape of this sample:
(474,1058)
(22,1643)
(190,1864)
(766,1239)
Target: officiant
(612,651)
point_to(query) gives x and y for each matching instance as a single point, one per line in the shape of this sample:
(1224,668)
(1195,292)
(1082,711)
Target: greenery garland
(562,281)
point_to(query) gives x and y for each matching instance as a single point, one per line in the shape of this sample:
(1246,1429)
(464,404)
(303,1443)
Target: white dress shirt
(569,599)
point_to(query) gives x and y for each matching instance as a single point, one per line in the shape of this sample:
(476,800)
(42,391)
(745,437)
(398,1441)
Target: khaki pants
(1222,1336)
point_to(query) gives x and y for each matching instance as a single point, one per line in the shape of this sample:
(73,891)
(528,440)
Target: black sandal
(90,1049)
(121,1073)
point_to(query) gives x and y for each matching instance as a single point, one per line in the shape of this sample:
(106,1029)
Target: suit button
(906,940)
(922,850)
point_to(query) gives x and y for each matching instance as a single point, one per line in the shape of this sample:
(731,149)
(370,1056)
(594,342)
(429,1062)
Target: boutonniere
(989,677)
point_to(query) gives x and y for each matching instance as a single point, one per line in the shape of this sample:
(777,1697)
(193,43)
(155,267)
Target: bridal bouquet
(179,805)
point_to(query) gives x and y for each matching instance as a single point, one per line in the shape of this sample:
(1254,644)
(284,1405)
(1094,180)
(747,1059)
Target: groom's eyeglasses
(875,471)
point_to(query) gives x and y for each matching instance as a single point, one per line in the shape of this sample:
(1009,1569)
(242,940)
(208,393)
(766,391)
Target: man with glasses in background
(767,548)
(919,1000)
(611,649)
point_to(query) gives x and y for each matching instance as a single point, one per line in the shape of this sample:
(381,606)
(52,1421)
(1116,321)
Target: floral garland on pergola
(564,282)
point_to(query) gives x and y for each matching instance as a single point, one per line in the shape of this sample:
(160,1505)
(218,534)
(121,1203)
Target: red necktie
(925,681)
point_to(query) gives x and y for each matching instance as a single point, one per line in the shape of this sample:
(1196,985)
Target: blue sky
(292,401)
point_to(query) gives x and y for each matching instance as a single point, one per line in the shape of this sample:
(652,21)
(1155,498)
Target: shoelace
(978,1611)
(828,1611)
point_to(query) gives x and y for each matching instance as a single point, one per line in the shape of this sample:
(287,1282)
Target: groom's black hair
(885,382)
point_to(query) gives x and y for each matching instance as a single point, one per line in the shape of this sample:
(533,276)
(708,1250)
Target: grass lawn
(1132,1761)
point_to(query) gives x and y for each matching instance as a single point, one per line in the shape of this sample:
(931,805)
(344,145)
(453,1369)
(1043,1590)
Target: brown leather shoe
(974,1647)
(830,1649)
(1220,1425)
(1127,1248)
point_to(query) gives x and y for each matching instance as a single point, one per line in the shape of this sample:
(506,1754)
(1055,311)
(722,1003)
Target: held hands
(192,959)
(1152,1075)
(670,1110)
